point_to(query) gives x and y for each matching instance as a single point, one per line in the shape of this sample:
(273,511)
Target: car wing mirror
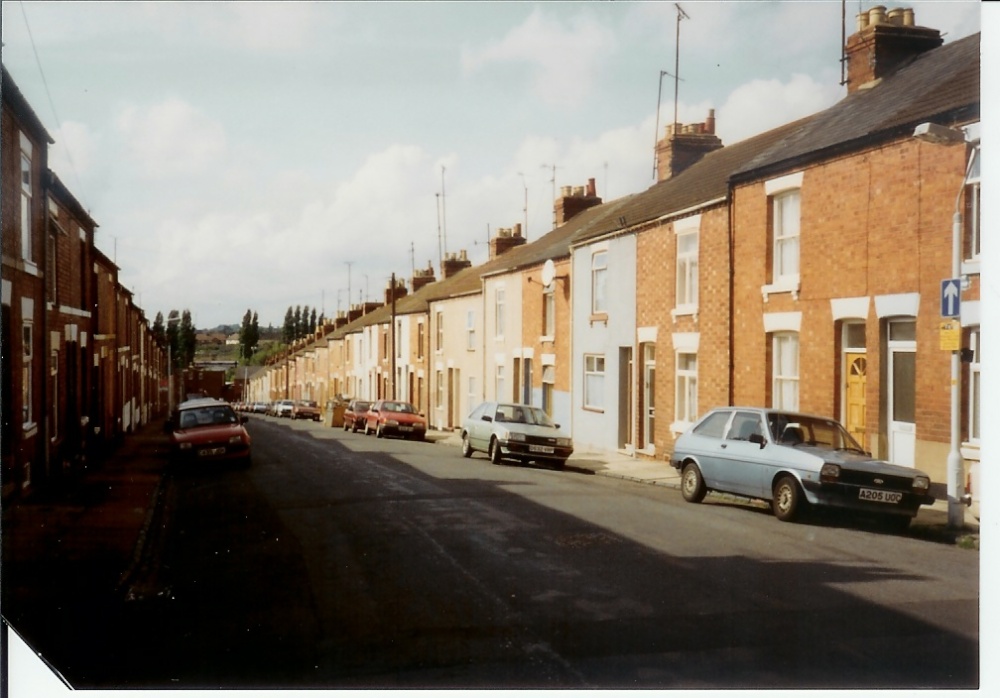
(487,418)
(758,439)
(557,426)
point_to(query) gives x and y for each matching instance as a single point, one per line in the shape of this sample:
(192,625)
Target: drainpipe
(43,428)
(732,294)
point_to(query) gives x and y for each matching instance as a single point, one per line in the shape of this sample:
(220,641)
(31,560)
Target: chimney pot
(896,16)
(710,122)
(862,20)
(591,187)
(908,18)
(517,230)
(876,15)
(577,191)
(566,191)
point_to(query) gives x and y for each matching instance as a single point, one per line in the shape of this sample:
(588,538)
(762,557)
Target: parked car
(283,408)
(509,430)
(391,417)
(260,408)
(204,430)
(794,461)
(356,414)
(306,409)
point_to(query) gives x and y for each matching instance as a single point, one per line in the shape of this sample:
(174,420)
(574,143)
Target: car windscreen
(404,407)
(207,416)
(797,429)
(523,414)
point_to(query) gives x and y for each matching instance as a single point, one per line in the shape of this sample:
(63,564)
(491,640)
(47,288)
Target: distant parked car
(793,460)
(260,408)
(394,418)
(508,430)
(306,409)
(205,430)
(356,414)
(283,408)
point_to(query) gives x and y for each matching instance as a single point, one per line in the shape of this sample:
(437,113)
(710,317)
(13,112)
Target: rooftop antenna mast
(444,215)
(437,202)
(681,14)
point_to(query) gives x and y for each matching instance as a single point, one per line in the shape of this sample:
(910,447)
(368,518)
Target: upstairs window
(973,242)
(470,330)
(687,269)
(440,331)
(27,253)
(785,236)
(549,312)
(599,282)
(500,320)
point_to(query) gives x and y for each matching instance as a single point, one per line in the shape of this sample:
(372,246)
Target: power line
(48,94)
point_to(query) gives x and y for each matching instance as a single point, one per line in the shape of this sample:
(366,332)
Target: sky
(256,156)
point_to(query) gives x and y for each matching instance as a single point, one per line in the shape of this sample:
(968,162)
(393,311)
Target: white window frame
(786,235)
(440,332)
(785,369)
(686,391)
(500,299)
(500,381)
(594,367)
(687,272)
(599,281)
(548,387)
(549,313)
(439,390)
(470,330)
(975,386)
(27,374)
(421,338)
(972,210)
(27,251)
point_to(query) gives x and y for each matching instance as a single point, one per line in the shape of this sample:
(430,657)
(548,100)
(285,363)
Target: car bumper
(520,449)
(849,497)
(409,431)
(212,453)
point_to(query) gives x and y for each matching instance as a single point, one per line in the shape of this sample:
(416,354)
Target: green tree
(298,322)
(312,322)
(173,337)
(159,331)
(187,339)
(254,334)
(288,329)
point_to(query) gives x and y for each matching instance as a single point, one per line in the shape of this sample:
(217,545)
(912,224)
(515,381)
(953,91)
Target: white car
(509,430)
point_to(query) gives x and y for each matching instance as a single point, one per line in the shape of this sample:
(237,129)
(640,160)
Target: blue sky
(252,155)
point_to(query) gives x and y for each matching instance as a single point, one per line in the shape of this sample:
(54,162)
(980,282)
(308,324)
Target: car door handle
(723,445)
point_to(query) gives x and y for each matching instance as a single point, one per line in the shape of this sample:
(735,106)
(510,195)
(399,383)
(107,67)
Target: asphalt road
(340,560)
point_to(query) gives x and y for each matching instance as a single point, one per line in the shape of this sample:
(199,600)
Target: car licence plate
(880,496)
(406,428)
(212,451)
(541,449)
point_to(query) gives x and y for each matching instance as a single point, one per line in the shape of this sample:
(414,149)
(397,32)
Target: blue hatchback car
(793,460)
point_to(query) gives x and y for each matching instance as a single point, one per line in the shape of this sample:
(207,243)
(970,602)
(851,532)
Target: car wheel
(788,502)
(366,429)
(495,457)
(378,431)
(692,484)
(354,427)
(346,426)
(466,446)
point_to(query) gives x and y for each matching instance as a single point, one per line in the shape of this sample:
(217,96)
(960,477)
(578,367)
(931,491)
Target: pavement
(85,541)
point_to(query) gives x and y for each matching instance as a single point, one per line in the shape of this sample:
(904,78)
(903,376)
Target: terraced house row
(801,268)
(80,367)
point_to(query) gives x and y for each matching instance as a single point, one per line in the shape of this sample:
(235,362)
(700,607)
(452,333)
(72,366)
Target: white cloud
(171,138)
(565,59)
(76,150)
(761,105)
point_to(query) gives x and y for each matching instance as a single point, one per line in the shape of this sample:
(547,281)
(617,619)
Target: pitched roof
(942,84)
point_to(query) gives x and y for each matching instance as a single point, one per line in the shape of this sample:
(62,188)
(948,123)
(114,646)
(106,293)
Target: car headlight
(921,483)
(235,439)
(830,472)
(392,423)
(184,445)
(512,436)
(564,442)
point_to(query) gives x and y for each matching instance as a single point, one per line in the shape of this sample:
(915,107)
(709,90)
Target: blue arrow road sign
(951,297)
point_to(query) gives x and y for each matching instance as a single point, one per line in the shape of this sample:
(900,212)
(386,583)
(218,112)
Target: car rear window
(714,425)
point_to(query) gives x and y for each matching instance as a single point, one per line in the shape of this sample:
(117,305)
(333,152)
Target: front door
(624,397)
(902,398)
(648,394)
(854,395)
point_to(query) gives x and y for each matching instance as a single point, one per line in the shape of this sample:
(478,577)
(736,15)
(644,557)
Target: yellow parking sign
(951,335)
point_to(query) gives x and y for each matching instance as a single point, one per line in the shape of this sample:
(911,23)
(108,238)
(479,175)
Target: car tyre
(495,457)
(366,429)
(788,502)
(354,427)
(378,431)
(692,484)
(466,446)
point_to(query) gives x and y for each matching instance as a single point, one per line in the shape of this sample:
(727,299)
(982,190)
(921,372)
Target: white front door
(902,398)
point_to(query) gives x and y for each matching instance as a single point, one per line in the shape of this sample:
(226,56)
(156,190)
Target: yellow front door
(854,396)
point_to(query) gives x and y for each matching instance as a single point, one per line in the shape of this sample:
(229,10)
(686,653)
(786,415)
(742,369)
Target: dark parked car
(394,418)
(506,430)
(206,430)
(793,460)
(306,409)
(356,414)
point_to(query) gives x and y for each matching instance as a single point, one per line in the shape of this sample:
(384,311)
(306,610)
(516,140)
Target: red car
(306,409)
(207,430)
(390,417)
(355,414)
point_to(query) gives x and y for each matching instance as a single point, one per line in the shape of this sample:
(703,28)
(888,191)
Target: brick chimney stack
(454,262)
(422,277)
(884,42)
(683,145)
(400,291)
(506,239)
(574,200)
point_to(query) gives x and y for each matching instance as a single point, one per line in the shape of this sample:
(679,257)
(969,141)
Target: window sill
(971,267)
(685,311)
(550,339)
(680,427)
(595,410)
(599,317)
(28,430)
(785,285)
